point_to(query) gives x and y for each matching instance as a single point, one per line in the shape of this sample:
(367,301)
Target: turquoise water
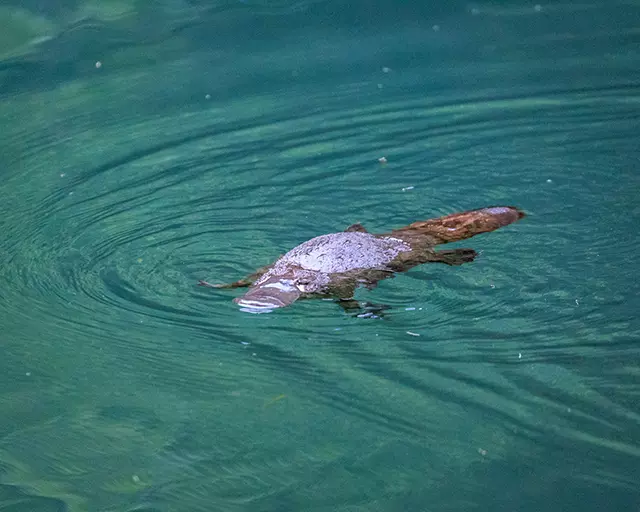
(213,137)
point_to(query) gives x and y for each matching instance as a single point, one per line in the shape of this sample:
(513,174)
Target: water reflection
(213,138)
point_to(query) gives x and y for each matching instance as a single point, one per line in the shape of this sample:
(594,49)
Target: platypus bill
(334,265)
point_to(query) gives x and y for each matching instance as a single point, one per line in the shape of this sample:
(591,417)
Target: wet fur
(284,281)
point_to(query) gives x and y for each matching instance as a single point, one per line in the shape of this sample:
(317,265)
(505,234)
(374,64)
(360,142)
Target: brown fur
(284,281)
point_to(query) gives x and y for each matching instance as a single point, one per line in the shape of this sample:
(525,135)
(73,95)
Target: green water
(214,137)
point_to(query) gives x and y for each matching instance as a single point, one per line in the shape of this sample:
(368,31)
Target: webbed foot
(363,309)
(455,256)
(237,284)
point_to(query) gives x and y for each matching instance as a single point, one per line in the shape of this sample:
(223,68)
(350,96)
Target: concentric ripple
(128,387)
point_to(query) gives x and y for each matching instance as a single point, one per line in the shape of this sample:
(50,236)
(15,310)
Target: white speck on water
(549,181)
(62,175)
(412,333)
(386,69)
(408,188)
(475,11)
(577,303)
(409,309)
(244,343)
(254,354)
(492,285)
(436,28)
(519,355)
(28,374)
(207,96)
(537,7)
(136,479)
(380,86)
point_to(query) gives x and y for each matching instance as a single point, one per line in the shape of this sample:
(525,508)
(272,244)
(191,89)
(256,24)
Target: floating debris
(382,160)
(404,189)
(98,64)
(412,333)
(274,400)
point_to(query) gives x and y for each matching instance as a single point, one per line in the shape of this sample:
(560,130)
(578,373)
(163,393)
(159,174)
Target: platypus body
(334,265)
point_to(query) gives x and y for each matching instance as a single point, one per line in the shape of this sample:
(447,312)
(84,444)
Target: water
(213,137)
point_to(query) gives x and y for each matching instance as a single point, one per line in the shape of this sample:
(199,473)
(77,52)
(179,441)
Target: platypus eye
(302,284)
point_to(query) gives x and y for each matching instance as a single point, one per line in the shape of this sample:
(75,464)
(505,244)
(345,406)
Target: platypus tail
(459,226)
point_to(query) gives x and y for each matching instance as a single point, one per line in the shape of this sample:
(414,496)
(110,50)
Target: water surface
(212,137)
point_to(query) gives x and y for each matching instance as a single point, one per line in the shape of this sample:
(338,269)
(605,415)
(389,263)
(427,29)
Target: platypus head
(282,287)
(275,292)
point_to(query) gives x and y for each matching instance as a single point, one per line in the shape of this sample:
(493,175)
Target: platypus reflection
(334,265)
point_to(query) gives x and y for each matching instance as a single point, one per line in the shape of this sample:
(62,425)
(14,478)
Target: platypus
(334,265)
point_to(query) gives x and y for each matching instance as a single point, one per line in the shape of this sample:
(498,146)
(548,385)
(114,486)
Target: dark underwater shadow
(13,499)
